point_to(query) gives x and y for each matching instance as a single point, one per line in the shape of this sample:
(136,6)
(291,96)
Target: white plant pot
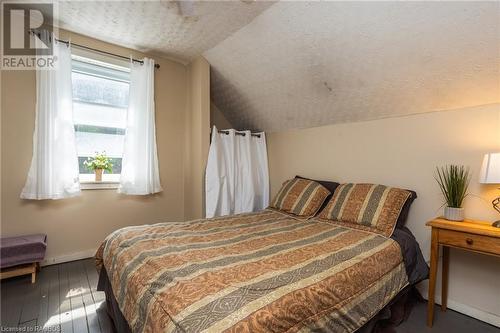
(454,214)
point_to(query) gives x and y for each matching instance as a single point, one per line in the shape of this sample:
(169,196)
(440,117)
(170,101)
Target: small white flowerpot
(454,214)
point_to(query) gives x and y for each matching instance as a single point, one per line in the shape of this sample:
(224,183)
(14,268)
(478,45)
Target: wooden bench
(21,255)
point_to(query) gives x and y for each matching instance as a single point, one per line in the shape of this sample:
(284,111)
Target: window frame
(109,181)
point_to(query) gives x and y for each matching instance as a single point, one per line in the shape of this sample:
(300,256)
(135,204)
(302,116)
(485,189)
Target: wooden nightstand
(469,235)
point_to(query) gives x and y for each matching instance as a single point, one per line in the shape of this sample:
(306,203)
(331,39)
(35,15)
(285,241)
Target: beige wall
(404,152)
(197,137)
(75,227)
(217,118)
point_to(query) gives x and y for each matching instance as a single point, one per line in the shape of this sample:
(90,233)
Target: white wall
(197,137)
(404,152)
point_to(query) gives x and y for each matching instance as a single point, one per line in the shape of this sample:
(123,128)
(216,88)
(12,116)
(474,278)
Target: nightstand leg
(444,278)
(432,276)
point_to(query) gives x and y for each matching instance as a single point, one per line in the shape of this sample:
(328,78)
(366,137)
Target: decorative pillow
(301,197)
(367,206)
(329,185)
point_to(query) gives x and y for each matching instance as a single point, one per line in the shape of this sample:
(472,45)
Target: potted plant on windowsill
(99,163)
(454,182)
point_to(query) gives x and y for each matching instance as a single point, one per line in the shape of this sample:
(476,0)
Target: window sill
(103,185)
(108,182)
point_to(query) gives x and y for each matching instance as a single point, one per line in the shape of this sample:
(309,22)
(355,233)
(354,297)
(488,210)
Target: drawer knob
(469,241)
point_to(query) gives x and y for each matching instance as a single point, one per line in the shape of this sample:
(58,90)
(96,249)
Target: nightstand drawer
(470,241)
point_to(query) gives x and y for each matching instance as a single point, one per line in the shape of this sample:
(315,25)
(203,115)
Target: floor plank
(31,303)
(26,326)
(53,319)
(66,315)
(65,299)
(76,291)
(98,297)
(88,301)
(43,308)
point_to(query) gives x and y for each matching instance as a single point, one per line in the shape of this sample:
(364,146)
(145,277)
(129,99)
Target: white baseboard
(465,309)
(470,311)
(68,257)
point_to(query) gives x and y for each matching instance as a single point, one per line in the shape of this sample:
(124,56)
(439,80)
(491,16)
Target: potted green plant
(454,182)
(99,163)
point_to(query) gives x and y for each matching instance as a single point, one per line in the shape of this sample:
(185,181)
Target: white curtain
(140,174)
(53,173)
(237,177)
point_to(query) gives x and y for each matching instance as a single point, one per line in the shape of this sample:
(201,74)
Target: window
(100,101)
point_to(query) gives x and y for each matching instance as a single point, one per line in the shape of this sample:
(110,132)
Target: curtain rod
(238,133)
(67,42)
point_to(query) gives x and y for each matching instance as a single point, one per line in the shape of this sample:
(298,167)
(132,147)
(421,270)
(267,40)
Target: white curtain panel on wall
(237,176)
(140,174)
(53,173)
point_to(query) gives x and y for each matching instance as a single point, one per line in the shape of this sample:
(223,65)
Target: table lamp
(490,174)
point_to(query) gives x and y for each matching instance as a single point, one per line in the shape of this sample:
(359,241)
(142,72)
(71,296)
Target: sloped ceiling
(179,29)
(304,64)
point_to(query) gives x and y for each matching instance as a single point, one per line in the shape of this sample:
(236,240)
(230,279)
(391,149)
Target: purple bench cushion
(22,249)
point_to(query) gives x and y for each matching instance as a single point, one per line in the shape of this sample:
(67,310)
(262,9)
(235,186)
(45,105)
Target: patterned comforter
(259,272)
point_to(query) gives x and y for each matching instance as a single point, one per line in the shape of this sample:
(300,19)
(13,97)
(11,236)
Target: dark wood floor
(446,322)
(64,299)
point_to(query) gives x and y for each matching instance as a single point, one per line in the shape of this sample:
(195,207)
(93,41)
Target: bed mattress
(259,272)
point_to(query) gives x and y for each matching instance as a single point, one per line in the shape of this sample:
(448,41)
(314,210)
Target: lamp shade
(490,170)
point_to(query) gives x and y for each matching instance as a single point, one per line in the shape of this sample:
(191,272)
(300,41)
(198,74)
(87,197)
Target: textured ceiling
(304,64)
(159,27)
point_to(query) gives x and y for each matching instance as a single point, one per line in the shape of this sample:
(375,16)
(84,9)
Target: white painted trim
(465,309)
(109,181)
(99,185)
(69,257)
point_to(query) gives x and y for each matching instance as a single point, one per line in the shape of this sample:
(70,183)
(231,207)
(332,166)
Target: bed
(267,271)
